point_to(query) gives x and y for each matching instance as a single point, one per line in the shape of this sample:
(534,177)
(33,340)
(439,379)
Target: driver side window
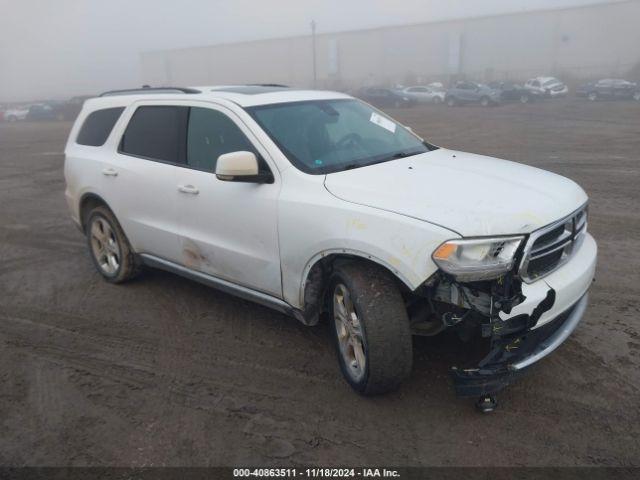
(211,134)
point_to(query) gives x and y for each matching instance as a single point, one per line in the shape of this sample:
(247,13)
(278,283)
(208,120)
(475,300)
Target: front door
(228,229)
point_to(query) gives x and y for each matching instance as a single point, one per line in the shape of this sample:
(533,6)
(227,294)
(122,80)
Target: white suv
(320,206)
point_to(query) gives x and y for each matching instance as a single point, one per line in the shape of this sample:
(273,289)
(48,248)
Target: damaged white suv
(318,205)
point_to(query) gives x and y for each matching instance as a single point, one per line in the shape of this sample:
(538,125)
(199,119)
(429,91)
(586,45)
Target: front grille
(553,245)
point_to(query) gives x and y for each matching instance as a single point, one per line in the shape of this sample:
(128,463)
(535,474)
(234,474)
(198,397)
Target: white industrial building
(595,40)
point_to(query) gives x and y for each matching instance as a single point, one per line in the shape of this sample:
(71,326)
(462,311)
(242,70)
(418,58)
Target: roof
(242,95)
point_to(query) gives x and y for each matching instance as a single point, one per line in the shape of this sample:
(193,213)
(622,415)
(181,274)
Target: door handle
(188,189)
(110,172)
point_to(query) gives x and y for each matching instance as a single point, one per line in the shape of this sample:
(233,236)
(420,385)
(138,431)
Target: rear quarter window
(97,126)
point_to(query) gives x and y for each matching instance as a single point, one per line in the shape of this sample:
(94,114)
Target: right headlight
(477,259)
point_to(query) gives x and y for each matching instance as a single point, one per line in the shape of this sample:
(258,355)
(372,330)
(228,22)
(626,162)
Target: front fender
(313,223)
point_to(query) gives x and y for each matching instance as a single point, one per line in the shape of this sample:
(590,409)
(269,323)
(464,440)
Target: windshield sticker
(383,122)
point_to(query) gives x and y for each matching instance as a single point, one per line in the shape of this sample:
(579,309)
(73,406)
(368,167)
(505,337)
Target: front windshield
(324,136)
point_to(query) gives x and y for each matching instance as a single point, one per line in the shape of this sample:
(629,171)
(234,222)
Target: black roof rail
(147,89)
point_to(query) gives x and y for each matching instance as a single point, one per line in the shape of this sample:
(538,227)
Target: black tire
(451,101)
(384,324)
(485,101)
(525,98)
(128,265)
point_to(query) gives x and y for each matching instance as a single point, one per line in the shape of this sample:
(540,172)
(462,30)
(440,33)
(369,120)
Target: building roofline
(596,4)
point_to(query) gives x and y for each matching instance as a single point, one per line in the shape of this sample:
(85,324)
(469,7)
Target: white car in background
(424,94)
(16,114)
(320,206)
(548,86)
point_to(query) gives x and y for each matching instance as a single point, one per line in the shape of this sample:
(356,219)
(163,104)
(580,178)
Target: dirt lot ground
(164,371)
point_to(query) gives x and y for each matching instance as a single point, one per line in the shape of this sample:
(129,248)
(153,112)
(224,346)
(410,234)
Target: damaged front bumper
(528,349)
(551,310)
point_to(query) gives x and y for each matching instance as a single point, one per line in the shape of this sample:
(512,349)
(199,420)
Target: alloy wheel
(104,246)
(349,333)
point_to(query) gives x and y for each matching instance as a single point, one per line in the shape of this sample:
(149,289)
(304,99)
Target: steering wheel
(350,139)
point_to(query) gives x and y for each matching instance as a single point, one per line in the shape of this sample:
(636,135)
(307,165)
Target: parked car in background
(70,109)
(424,94)
(437,86)
(464,92)
(41,111)
(609,88)
(513,92)
(549,86)
(15,114)
(385,97)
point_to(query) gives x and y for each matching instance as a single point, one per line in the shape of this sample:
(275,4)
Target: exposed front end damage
(515,323)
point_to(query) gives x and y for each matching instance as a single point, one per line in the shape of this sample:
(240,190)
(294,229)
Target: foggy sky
(60,48)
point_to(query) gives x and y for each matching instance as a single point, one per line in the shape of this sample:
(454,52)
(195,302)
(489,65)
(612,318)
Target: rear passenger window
(157,132)
(97,126)
(211,134)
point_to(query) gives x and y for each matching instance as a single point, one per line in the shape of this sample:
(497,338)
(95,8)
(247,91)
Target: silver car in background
(424,94)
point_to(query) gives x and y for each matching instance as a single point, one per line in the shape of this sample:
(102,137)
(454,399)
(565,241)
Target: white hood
(470,194)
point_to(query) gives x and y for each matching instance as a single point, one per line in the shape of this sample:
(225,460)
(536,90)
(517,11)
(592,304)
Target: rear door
(227,229)
(143,176)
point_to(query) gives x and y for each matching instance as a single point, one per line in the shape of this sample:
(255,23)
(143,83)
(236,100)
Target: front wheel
(370,328)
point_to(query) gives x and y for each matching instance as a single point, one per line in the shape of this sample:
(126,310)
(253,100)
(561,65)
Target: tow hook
(487,403)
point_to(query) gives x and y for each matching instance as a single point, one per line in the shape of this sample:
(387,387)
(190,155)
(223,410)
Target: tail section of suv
(320,206)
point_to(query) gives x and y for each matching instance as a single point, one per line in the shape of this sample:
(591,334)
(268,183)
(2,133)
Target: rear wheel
(110,250)
(370,328)
(451,101)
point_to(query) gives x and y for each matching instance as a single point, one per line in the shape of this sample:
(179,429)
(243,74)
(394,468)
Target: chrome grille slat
(564,238)
(535,255)
(550,247)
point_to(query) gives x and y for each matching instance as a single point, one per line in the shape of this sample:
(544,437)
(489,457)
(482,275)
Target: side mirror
(240,167)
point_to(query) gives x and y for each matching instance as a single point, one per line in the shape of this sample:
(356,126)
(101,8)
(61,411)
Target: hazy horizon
(76,47)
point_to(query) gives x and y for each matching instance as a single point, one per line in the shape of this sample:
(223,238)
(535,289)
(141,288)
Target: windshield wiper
(395,156)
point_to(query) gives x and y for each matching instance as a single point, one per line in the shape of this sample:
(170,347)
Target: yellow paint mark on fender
(356,224)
